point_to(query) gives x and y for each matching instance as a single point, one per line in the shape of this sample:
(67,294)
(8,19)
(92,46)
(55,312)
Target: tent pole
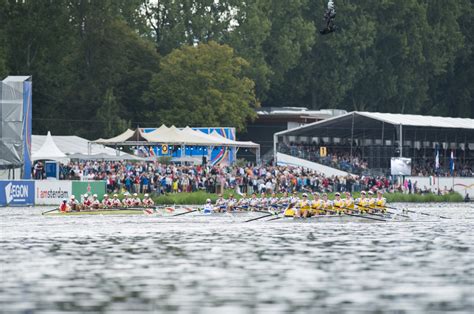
(259,161)
(275,143)
(352,134)
(401,141)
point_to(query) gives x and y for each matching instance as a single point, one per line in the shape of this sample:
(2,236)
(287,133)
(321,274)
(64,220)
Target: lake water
(114,264)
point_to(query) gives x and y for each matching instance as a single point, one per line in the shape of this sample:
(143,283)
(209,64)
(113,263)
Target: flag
(437,159)
(451,163)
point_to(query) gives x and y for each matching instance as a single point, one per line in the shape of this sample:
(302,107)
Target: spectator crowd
(158,178)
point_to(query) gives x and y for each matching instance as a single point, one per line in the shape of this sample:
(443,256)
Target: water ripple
(141,264)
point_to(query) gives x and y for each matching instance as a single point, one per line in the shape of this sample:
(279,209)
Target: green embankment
(199,198)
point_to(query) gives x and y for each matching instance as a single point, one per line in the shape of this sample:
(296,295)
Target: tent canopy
(49,150)
(173,136)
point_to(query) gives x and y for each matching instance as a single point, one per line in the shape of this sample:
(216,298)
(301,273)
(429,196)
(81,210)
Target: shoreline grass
(199,198)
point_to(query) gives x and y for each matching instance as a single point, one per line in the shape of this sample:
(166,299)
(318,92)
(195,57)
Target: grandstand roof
(359,123)
(418,120)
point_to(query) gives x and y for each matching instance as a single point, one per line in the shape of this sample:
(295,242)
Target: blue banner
(27,121)
(17,193)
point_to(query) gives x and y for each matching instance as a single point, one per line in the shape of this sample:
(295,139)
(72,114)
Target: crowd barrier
(46,192)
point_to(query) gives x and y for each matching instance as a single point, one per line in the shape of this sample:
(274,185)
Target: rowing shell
(108,211)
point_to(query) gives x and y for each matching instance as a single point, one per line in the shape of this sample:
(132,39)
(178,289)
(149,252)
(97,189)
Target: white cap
(85,195)
(146,195)
(73,197)
(95,195)
(64,200)
(208,200)
(135,194)
(115,195)
(106,195)
(305,195)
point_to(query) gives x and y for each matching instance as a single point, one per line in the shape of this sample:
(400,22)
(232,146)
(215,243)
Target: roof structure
(73,145)
(48,151)
(173,136)
(376,125)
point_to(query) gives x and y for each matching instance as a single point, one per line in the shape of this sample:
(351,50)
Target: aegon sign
(16,193)
(52,192)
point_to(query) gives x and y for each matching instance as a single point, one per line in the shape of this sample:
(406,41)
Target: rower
(263,201)
(338,203)
(231,203)
(362,202)
(73,204)
(116,202)
(128,201)
(303,207)
(208,208)
(136,200)
(273,202)
(243,203)
(349,202)
(327,204)
(293,199)
(147,201)
(317,205)
(86,202)
(380,201)
(95,203)
(221,204)
(64,207)
(371,202)
(106,202)
(284,200)
(253,203)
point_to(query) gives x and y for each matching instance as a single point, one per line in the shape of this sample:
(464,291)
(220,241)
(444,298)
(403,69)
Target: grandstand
(364,142)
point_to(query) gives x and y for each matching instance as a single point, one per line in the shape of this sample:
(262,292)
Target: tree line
(100,66)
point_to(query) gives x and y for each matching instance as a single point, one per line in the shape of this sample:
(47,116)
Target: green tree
(109,115)
(202,85)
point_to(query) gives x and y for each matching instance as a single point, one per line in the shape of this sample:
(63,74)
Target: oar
(52,210)
(354,215)
(414,212)
(189,212)
(392,213)
(261,217)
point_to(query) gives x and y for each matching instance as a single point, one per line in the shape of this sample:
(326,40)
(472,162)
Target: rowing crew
(91,203)
(294,206)
(322,206)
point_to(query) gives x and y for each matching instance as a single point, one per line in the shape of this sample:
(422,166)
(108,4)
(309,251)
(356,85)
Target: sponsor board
(52,192)
(17,192)
(90,187)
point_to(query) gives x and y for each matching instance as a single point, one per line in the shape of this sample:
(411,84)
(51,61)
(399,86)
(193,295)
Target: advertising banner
(17,192)
(52,192)
(90,187)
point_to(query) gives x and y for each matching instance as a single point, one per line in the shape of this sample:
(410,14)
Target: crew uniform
(136,200)
(107,202)
(208,208)
(116,202)
(304,206)
(64,207)
(380,202)
(221,203)
(362,202)
(95,203)
(86,203)
(147,201)
(338,203)
(317,205)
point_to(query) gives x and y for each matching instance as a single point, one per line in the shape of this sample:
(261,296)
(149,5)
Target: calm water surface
(138,264)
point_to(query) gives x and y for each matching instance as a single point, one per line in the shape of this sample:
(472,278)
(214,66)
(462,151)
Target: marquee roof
(173,136)
(375,124)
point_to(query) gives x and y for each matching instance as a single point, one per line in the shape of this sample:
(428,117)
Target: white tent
(71,144)
(49,150)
